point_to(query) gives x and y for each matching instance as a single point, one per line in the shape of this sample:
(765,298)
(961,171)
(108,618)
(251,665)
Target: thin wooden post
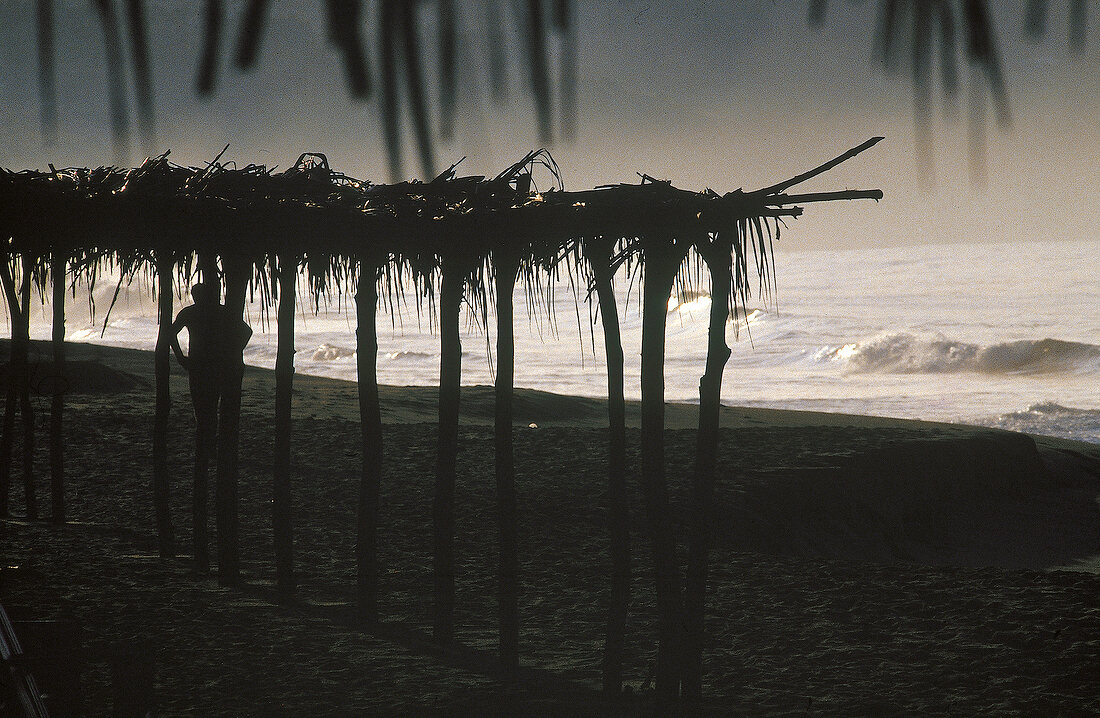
(443,505)
(662,261)
(717,256)
(598,252)
(7,440)
(284,386)
(506,264)
(229,429)
(162,370)
(57,400)
(206,440)
(206,444)
(26,409)
(370,421)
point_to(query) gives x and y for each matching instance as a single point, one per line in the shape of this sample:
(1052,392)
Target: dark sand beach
(862,566)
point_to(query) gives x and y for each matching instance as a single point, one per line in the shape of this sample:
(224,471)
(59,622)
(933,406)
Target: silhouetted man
(215,343)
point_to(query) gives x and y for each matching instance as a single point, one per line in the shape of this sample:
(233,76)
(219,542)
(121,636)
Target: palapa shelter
(467,237)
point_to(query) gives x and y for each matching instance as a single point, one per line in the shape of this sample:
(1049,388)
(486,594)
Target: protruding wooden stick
(848,194)
(820,169)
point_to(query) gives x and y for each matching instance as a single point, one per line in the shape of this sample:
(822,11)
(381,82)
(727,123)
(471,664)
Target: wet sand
(862,566)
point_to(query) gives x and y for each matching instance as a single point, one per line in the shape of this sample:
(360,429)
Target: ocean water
(1001,335)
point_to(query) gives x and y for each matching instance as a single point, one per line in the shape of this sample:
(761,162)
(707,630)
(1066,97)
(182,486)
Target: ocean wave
(690,302)
(1052,408)
(1053,419)
(902,353)
(330,352)
(412,355)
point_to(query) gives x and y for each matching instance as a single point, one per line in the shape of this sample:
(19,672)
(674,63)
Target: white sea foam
(909,353)
(328,352)
(1053,418)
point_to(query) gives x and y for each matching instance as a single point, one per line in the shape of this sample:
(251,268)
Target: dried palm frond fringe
(331,222)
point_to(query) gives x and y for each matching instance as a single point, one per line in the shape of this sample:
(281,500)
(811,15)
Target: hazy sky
(708,94)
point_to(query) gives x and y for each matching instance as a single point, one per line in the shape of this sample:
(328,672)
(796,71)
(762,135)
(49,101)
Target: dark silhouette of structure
(462,239)
(216,340)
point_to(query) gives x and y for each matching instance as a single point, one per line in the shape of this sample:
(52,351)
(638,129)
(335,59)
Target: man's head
(204,293)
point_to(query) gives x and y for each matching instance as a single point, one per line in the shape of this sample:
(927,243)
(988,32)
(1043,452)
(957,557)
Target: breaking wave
(694,302)
(330,352)
(1053,419)
(411,355)
(901,353)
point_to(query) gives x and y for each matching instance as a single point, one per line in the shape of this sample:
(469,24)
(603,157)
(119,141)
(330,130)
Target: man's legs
(204,397)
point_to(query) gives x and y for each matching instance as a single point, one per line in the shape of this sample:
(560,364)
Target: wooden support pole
(11,396)
(717,255)
(506,264)
(443,504)
(284,385)
(57,400)
(206,442)
(236,271)
(662,261)
(598,252)
(370,421)
(162,370)
(26,409)
(7,439)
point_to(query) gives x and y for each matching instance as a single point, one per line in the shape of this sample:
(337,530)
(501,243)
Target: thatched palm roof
(310,210)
